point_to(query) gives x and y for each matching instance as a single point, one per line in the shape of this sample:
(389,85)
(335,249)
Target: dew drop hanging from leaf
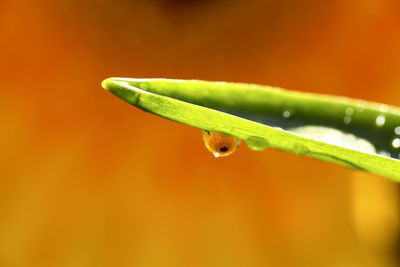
(218,144)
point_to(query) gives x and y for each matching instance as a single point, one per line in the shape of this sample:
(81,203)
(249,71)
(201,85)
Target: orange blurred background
(88,180)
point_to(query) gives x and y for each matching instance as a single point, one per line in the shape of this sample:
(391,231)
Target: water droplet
(397,130)
(396,143)
(349,111)
(300,149)
(220,145)
(380,120)
(347,119)
(286,114)
(383,108)
(257,143)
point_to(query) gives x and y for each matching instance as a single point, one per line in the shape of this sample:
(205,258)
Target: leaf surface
(354,133)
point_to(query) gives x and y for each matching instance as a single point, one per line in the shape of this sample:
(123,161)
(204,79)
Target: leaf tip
(121,89)
(106,84)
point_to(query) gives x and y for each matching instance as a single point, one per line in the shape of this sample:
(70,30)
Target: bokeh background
(88,180)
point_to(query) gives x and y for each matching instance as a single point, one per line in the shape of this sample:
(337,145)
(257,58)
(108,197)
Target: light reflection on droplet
(286,114)
(330,137)
(396,143)
(397,130)
(380,120)
(347,119)
(335,137)
(349,111)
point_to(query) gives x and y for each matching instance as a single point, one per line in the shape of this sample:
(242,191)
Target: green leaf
(354,133)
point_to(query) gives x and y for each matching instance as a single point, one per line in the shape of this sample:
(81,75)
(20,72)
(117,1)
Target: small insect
(218,144)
